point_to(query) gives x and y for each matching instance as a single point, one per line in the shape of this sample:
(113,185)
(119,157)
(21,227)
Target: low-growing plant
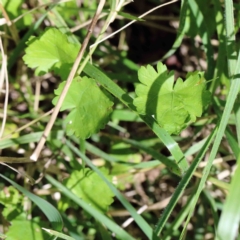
(116,125)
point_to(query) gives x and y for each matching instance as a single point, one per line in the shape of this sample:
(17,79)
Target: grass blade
(205,36)
(58,234)
(183,183)
(230,37)
(96,214)
(138,218)
(128,101)
(181,30)
(28,138)
(230,217)
(49,210)
(179,219)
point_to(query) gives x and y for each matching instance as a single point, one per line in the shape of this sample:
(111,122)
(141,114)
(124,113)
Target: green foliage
(10,196)
(21,228)
(90,106)
(51,52)
(14,10)
(174,106)
(49,210)
(126,153)
(11,199)
(87,185)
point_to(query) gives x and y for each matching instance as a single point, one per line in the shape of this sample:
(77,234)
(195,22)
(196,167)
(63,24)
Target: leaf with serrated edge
(51,51)
(173,106)
(90,106)
(87,185)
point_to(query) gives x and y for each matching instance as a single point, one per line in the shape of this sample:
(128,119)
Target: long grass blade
(183,183)
(58,234)
(138,218)
(96,214)
(234,89)
(128,101)
(49,210)
(181,30)
(230,217)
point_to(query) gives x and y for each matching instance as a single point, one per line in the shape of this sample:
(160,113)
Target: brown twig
(48,128)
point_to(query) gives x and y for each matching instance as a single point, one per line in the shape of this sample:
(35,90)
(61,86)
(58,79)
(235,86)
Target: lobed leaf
(90,106)
(51,51)
(173,105)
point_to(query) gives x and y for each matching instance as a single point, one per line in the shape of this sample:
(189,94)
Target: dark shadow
(153,94)
(129,101)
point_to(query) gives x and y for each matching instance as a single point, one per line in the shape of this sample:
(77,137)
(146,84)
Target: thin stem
(133,21)
(111,16)
(5,75)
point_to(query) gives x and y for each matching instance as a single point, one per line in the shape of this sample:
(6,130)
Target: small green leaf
(11,199)
(51,51)
(10,196)
(90,106)
(27,230)
(173,106)
(88,186)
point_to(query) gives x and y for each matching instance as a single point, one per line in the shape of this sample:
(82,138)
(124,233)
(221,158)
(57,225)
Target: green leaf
(88,186)
(11,199)
(183,25)
(51,51)
(24,229)
(90,106)
(10,196)
(173,106)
